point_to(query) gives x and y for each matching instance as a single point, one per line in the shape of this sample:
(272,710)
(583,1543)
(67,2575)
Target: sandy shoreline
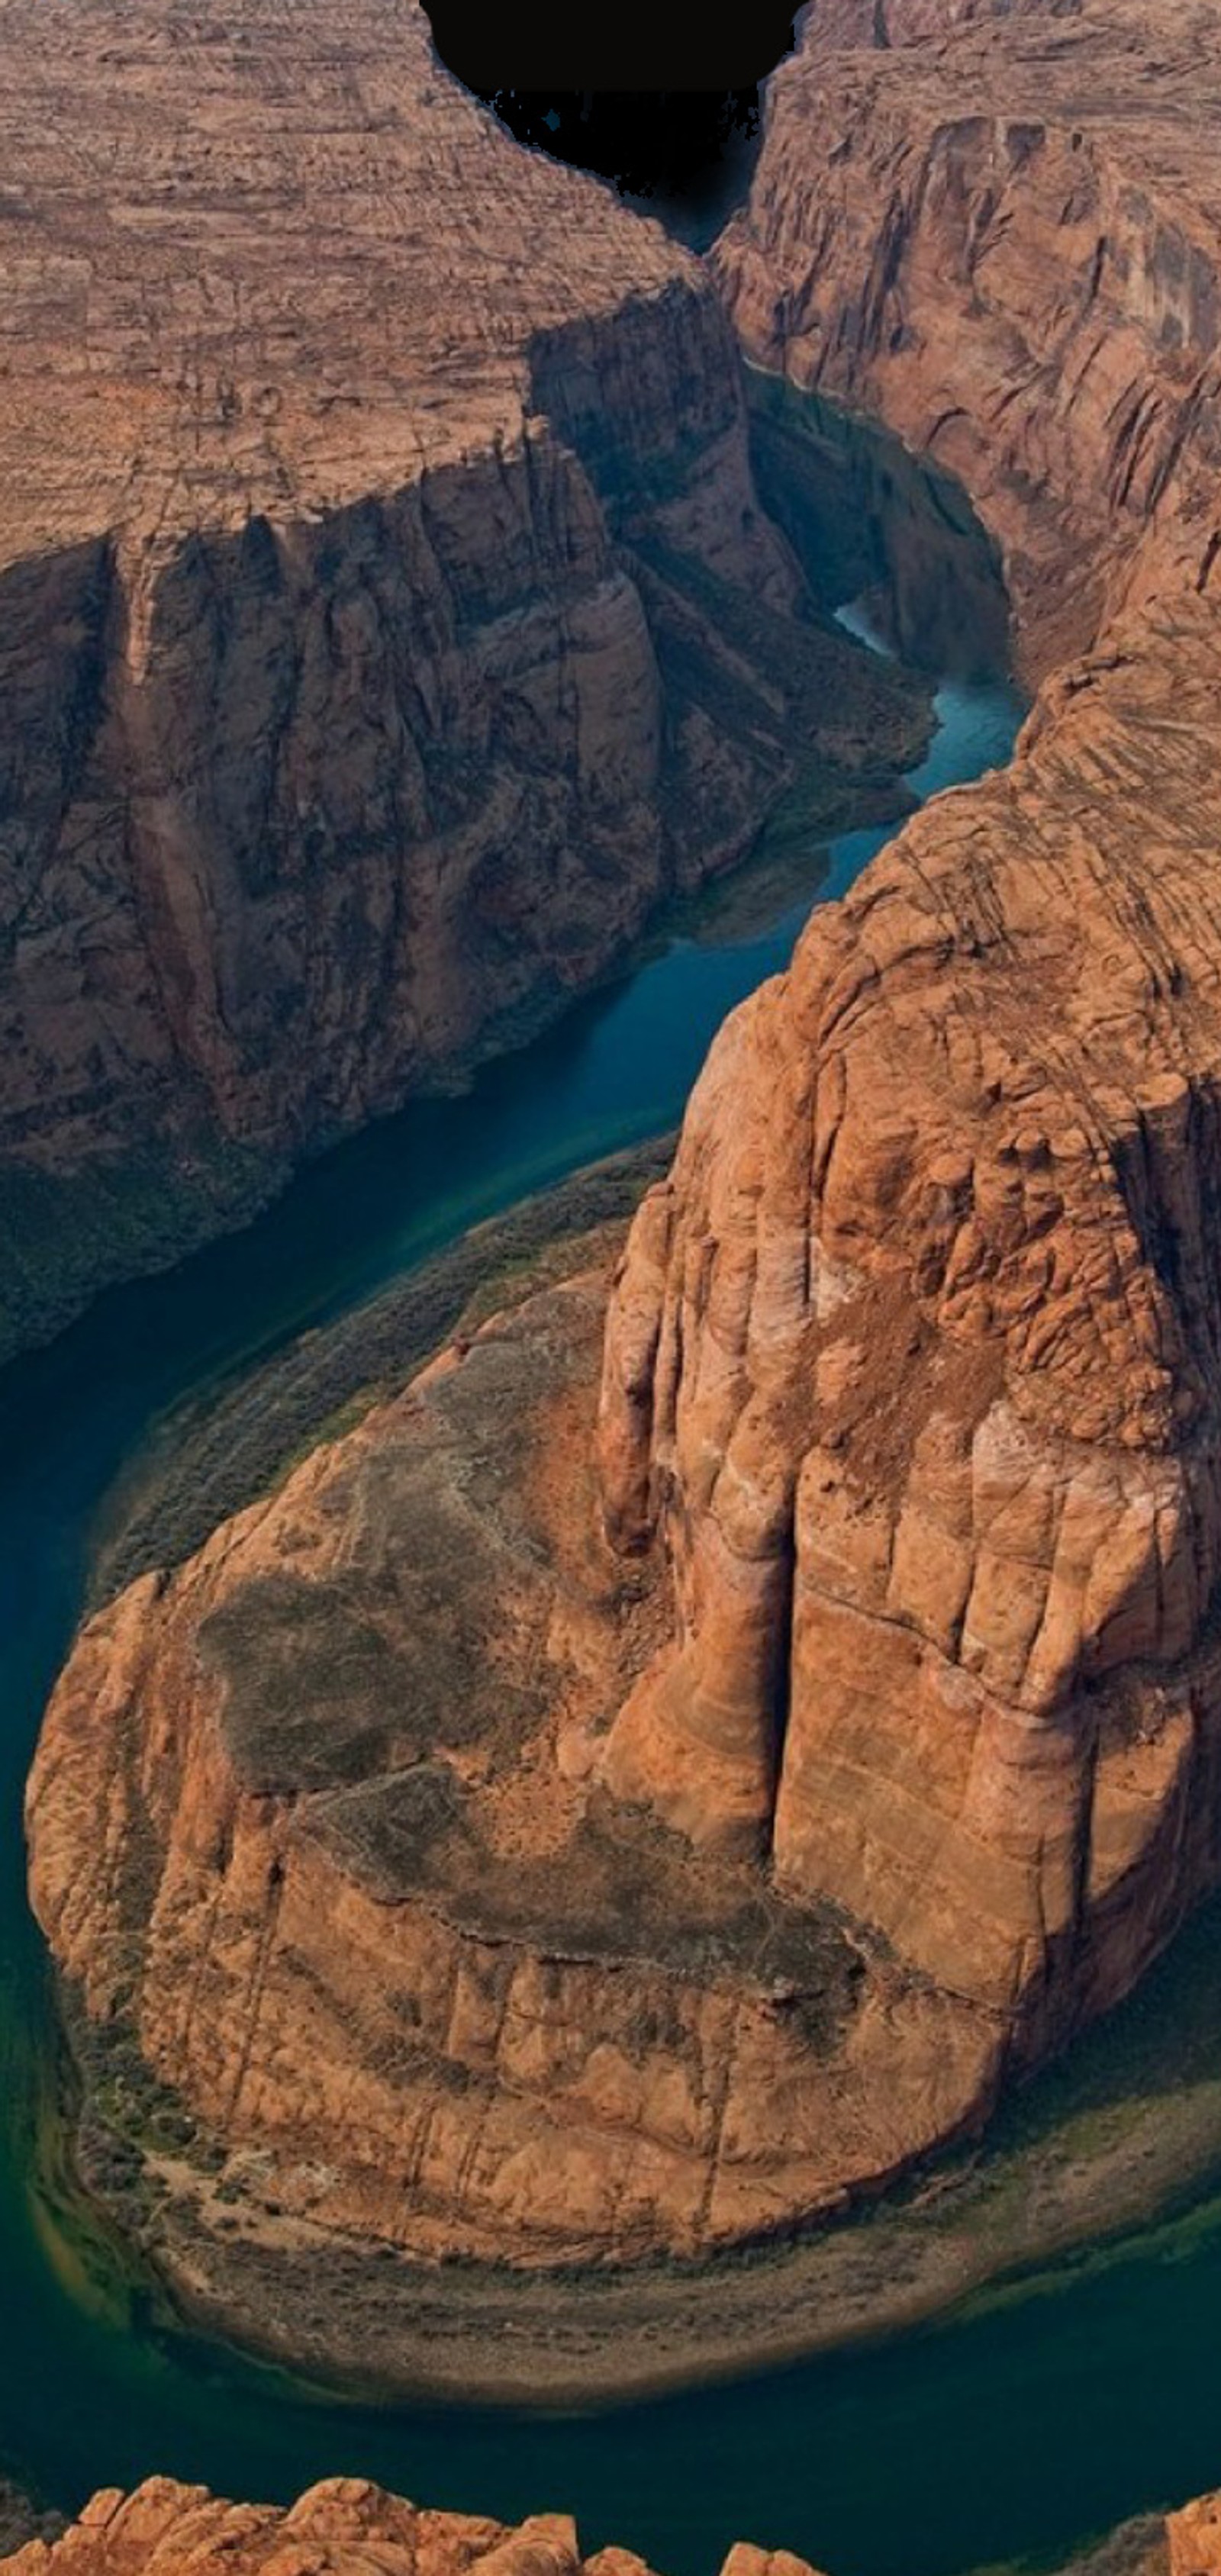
(367,2322)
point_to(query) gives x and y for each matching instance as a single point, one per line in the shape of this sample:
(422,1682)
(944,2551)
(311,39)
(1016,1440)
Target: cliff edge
(389,619)
(913,1367)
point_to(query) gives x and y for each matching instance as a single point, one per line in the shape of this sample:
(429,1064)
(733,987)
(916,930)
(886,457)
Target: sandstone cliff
(342,2527)
(387,620)
(999,225)
(357,1923)
(913,1363)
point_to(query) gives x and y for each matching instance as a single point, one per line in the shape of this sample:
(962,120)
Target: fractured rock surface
(914,1365)
(341,2527)
(346,2527)
(999,226)
(363,1910)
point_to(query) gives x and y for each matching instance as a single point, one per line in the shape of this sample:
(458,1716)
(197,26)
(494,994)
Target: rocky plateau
(506,1843)
(388,622)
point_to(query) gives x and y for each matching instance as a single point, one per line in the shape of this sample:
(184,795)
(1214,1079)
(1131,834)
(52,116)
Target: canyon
(389,620)
(502,1845)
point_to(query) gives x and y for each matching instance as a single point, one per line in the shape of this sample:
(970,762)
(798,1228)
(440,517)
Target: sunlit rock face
(341,2527)
(913,1371)
(315,1829)
(346,2527)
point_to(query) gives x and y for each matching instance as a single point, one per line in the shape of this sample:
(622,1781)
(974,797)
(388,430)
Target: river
(1023,2424)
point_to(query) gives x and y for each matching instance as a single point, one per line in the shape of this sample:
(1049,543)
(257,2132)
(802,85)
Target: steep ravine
(535,2186)
(998,226)
(389,619)
(619,1067)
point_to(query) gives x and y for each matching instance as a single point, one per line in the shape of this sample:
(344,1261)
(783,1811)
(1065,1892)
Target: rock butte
(352,1891)
(345,2527)
(387,618)
(492,1859)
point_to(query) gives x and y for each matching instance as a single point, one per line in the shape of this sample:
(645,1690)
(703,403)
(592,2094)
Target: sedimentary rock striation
(342,2527)
(387,619)
(397,1969)
(999,225)
(913,1366)
(493,1860)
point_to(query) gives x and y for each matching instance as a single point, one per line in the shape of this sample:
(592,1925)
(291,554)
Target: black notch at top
(590,45)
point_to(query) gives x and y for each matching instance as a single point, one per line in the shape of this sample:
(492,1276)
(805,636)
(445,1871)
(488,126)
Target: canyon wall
(388,620)
(361,1961)
(1000,227)
(913,1367)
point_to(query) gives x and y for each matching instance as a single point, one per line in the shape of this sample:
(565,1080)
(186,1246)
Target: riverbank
(379,2326)
(1124,2136)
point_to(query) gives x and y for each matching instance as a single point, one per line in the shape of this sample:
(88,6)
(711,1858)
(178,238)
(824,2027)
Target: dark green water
(1037,2420)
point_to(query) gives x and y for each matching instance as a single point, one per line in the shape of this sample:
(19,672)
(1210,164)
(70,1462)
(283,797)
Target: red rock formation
(345,2527)
(312,1828)
(1194,2538)
(342,2527)
(359,474)
(914,1363)
(1003,232)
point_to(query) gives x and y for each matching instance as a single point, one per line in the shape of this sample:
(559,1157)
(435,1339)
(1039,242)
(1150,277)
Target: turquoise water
(1033,2422)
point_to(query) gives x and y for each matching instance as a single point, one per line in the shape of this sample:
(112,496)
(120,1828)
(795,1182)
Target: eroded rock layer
(387,618)
(914,1364)
(999,225)
(359,1905)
